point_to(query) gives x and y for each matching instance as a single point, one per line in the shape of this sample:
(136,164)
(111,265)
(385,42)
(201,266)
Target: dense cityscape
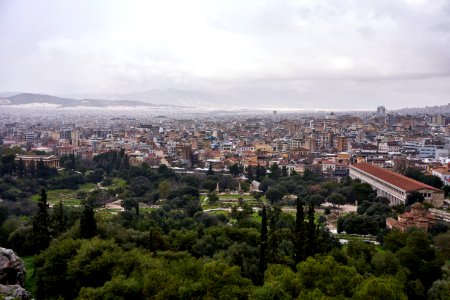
(166,181)
(225,149)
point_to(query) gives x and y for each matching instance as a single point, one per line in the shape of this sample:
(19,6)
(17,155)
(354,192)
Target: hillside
(30,98)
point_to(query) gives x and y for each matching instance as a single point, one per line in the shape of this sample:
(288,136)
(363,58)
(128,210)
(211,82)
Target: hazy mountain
(8,94)
(432,110)
(29,98)
(167,96)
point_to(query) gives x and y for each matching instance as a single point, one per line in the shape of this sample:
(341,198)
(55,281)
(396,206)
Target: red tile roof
(400,181)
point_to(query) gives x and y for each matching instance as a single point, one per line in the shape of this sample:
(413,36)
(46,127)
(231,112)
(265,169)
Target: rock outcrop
(12,268)
(10,292)
(12,276)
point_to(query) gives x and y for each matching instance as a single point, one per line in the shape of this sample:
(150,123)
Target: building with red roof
(394,186)
(418,217)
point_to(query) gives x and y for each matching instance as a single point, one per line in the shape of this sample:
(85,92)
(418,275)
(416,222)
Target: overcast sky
(300,54)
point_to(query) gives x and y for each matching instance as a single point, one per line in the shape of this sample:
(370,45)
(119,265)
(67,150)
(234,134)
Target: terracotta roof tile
(400,181)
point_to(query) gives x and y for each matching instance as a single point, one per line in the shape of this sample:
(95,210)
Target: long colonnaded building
(394,186)
(50,161)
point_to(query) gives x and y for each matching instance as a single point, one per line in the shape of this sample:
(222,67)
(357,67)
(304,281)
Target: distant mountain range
(163,98)
(176,97)
(29,98)
(431,110)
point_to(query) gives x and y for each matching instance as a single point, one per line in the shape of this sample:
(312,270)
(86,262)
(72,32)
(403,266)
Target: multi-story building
(381,110)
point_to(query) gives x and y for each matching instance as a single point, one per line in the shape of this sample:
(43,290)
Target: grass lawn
(117,183)
(211,206)
(235,196)
(87,187)
(355,237)
(30,283)
(256,217)
(146,209)
(218,212)
(68,197)
(106,213)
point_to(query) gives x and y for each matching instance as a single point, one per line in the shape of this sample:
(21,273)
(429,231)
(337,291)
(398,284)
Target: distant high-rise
(381,110)
(29,137)
(331,116)
(438,119)
(74,137)
(274,115)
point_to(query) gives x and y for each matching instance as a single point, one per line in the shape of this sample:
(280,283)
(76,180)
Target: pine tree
(263,246)
(41,223)
(88,224)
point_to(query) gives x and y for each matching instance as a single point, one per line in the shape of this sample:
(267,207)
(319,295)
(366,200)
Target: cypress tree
(210,170)
(41,222)
(74,163)
(299,232)
(250,173)
(284,171)
(125,163)
(88,224)
(59,218)
(274,236)
(258,172)
(263,246)
(311,230)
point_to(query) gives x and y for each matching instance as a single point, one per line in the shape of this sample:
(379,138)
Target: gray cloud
(335,54)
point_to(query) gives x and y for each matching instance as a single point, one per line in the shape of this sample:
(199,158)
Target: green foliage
(236,169)
(41,223)
(359,224)
(442,244)
(212,198)
(385,263)
(440,290)
(88,224)
(413,198)
(274,195)
(275,171)
(325,274)
(416,174)
(336,199)
(385,287)
(178,251)
(52,270)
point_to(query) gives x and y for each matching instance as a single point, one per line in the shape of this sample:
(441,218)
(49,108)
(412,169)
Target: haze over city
(230,54)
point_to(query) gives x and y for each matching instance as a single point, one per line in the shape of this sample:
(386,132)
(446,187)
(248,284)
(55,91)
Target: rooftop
(396,179)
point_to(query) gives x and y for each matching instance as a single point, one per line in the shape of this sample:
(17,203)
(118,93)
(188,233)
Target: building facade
(50,161)
(394,186)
